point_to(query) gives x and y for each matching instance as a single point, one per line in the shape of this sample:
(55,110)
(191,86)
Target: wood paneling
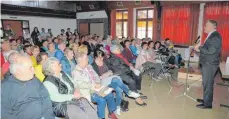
(84,29)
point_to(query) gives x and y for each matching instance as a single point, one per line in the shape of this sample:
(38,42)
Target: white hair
(114,47)
(18,64)
(48,65)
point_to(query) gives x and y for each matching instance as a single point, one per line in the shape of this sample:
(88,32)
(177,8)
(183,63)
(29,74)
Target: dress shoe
(200,100)
(202,106)
(143,97)
(143,104)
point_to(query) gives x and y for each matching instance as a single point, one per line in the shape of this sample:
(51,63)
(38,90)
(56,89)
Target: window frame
(122,22)
(147,19)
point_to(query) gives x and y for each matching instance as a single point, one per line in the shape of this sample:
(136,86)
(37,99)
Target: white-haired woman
(66,100)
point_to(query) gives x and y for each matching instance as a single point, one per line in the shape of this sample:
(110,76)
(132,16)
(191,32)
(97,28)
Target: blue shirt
(67,66)
(59,54)
(134,50)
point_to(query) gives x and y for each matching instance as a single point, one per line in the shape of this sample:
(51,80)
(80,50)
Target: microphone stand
(186,87)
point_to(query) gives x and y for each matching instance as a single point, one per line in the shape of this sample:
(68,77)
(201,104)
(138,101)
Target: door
(84,29)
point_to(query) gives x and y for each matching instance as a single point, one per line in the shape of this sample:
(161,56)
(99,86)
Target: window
(121,23)
(144,23)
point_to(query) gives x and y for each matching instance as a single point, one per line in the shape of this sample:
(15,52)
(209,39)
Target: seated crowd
(75,77)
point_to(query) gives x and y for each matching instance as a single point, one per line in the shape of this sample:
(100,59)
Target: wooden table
(224,70)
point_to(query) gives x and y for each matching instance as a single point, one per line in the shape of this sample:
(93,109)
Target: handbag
(60,109)
(125,105)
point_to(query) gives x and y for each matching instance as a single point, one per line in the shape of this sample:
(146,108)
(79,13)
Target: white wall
(56,24)
(91,15)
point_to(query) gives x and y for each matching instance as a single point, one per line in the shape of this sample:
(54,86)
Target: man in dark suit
(209,62)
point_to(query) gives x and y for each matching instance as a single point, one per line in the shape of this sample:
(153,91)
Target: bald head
(22,68)
(13,57)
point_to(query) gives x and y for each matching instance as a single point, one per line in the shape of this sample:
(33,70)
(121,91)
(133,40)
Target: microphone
(197,40)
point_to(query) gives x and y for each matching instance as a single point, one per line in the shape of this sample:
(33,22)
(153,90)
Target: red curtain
(113,23)
(179,23)
(219,11)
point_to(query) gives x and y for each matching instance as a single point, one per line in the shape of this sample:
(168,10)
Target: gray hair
(48,66)
(18,63)
(213,22)
(114,47)
(10,54)
(13,57)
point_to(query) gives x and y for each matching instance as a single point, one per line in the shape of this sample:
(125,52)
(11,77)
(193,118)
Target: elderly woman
(41,58)
(68,62)
(109,79)
(66,100)
(89,84)
(120,65)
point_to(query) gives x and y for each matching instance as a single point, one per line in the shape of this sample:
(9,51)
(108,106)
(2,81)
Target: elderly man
(23,96)
(10,59)
(120,65)
(209,62)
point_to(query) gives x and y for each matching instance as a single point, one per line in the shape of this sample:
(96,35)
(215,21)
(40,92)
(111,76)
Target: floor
(162,104)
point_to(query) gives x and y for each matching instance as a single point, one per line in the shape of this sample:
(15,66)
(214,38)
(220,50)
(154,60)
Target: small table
(224,70)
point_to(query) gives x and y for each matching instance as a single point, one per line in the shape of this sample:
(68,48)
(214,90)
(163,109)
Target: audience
(50,33)
(68,62)
(22,95)
(44,47)
(51,50)
(120,65)
(41,58)
(6,65)
(60,52)
(127,52)
(35,51)
(88,81)
(66,99)
(62,64)
(109,79)
(84,49)
(134,48)
(35,35)
(27,50)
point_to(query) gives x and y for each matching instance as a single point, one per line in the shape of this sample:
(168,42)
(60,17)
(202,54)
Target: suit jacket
(210,51)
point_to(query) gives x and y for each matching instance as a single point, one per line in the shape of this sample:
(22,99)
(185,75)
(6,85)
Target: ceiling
(83,6)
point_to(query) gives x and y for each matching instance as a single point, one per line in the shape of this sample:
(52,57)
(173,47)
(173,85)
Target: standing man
(209,62)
